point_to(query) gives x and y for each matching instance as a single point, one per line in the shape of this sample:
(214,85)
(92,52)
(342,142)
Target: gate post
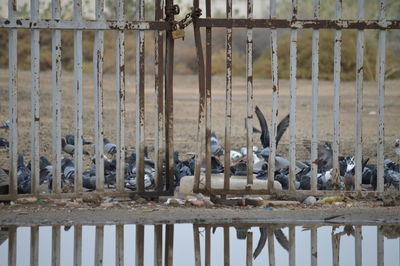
(169,108)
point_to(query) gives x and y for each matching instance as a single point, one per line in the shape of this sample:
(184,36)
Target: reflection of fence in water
(268,234)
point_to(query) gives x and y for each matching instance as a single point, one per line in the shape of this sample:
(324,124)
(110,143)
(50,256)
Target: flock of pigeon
(186,167)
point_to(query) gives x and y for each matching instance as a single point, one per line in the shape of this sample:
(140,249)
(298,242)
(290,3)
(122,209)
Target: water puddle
(201,244)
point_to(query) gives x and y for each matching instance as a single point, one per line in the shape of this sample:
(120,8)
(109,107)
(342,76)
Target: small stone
(174,202)
(60,203)
(332,199)
(339,203)
(208,202)
(198,203)
(282,203)
(26,200)
(310,200)
(257,202)
(141,200)
(107,199)
(107,204)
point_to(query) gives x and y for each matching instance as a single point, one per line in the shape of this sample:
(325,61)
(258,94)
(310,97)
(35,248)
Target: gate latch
(179,26)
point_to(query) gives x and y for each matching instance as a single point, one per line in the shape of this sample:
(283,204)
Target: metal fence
(163,25)
(294,24)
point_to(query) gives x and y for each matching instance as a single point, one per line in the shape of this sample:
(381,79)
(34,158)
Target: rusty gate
(164,26)
(294,24)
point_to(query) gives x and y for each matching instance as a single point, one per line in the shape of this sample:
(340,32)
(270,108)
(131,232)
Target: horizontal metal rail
(58,24)
(300,24)
(209,22)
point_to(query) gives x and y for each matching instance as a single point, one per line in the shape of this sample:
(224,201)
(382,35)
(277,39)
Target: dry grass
(186,111)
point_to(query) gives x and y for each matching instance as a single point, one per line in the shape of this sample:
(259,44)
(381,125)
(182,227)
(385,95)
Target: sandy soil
(186,111)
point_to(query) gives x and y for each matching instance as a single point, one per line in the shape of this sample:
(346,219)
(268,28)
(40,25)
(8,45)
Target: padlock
(178,33)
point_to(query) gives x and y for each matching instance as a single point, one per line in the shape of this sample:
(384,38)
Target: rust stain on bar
(314,99)
(275,99)
(158,86)
(249,88)
(35,69)
(202,98)
(98,58)
(336,97)
(56,84)
(140,141)
(293,100)
(169,108)
(359,100)
(120,98)
(228,99)
(208,97)
(78,98)
(12,105)
(381,100)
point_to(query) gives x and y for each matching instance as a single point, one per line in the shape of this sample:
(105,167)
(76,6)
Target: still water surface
(185,237)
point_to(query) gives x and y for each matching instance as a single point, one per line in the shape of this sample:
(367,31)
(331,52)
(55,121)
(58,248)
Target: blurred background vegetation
(185,55)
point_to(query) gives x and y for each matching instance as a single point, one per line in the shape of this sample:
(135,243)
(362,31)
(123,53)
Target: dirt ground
(186,111)
(71,212)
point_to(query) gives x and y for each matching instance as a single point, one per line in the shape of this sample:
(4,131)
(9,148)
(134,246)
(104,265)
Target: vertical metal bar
(293,96)
(359,98)
(335,248)
(381,98)
(35,69)
(12,245)
(99,243)
(158,86)
(275,98)
(358,247)
(196,239)
(271,247)
(314,246)
(169,245)
(55,245)
(158,245)
(77,245)
(120,95)
(78,98)
(336,96)
(98,57)
(139,245)
(226,246)
(56,84)
(202,99)
(119,245)
(314,100)
(228,99)
(380,247)
(208,97)
(140,99)
(249,248)
(249,87)
(169,107)
(35,245)
(292,245)
(12,95)
(208,246)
